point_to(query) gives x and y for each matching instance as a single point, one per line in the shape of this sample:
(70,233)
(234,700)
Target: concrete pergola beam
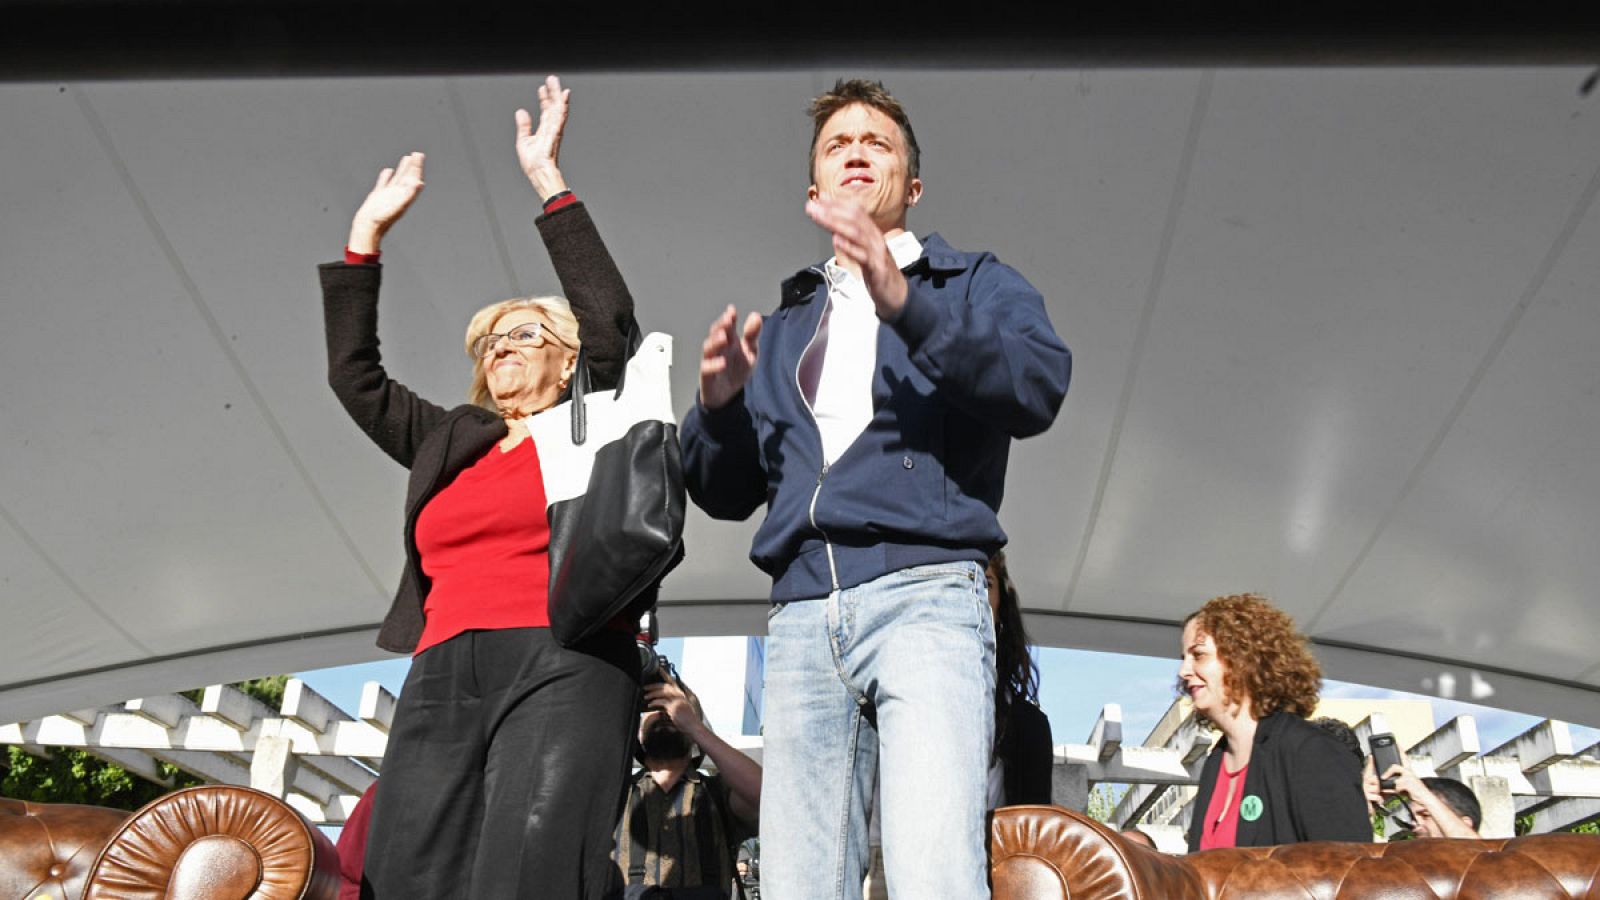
(377,706)
(1563,815)
(1546,743)
(1106,736)
(233,706)
(1449,745)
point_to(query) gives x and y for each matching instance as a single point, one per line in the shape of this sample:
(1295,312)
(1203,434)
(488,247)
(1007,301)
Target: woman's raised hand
(540,151)
(391,196)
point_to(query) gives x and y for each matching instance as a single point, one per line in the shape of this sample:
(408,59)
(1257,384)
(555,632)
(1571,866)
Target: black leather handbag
(613,478)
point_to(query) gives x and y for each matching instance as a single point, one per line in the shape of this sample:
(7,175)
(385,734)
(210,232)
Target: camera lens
(649,664)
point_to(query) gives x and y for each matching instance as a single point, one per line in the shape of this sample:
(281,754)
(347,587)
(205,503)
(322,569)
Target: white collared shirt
(848,340)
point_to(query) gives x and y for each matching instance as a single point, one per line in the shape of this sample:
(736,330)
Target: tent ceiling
(1334,333)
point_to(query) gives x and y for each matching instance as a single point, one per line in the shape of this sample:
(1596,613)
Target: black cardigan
(1309,784)
(1028,754)
(435,443)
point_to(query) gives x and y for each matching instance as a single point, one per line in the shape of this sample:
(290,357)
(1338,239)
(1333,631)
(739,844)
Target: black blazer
(435,443)
(1309,784)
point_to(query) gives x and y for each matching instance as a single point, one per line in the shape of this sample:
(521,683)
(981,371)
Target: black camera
(654,667)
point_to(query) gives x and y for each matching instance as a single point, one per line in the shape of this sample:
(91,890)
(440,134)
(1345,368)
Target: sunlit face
(522,377)
(862,158)
(1201,671)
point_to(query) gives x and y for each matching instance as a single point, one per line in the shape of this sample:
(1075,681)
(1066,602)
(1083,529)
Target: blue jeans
(893,678)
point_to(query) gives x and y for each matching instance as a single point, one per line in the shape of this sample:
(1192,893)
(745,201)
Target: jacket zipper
(811,512)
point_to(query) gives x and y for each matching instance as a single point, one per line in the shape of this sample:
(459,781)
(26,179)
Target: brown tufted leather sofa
(214,842)
(1049,853)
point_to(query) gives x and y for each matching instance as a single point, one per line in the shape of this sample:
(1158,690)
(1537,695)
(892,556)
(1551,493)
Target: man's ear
(812,193)
(914,192)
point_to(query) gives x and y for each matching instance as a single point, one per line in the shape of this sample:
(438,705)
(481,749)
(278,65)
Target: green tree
(71,775)
(1525,825)
(1102,801)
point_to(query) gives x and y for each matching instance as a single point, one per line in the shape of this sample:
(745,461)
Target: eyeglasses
(534,335)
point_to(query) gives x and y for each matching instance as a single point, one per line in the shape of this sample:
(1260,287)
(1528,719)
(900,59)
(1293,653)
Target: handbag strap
(582,383)
(635,852)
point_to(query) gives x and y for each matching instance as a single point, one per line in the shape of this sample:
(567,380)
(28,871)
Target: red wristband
(353,258)
(563,199)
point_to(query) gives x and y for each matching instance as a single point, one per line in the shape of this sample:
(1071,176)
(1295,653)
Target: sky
(1075,685)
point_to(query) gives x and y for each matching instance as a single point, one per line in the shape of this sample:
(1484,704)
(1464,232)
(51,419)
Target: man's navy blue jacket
(970,363)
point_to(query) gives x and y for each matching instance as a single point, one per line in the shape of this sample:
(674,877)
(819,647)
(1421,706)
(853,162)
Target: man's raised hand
(727,357)
(859,244)
(389,199)
(672,699)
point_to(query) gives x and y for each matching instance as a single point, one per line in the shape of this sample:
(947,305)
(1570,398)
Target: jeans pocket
(969,573)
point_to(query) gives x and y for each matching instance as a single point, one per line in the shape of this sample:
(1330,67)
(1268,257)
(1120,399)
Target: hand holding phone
(1385,756)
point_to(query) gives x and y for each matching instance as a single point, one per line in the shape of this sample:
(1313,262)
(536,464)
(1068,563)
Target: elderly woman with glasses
(508,753)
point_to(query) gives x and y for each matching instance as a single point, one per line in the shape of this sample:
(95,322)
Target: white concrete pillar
(1499,810)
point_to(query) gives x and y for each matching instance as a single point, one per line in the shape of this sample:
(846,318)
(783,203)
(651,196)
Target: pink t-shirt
(1221,825)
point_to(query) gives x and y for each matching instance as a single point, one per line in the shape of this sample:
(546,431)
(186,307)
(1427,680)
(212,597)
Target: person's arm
(996,356)
(1328,802)
(740,773)
(722,467)
(1417,793)
(391,414)
(589,277)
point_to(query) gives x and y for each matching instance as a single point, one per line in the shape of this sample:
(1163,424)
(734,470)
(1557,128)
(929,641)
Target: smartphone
(1385,756)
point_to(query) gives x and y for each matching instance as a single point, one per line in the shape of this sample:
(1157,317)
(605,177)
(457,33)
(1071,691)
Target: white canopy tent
(1334,334)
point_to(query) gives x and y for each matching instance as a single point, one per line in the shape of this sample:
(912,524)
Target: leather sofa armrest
(1538,867)
(47,849)
(1050,853)
(217,842)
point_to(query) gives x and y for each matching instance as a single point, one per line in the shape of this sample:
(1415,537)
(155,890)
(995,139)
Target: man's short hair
(1343,732)
(848,92)
(1458,797)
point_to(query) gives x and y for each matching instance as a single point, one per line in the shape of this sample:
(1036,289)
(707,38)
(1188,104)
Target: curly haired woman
(1273,778)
